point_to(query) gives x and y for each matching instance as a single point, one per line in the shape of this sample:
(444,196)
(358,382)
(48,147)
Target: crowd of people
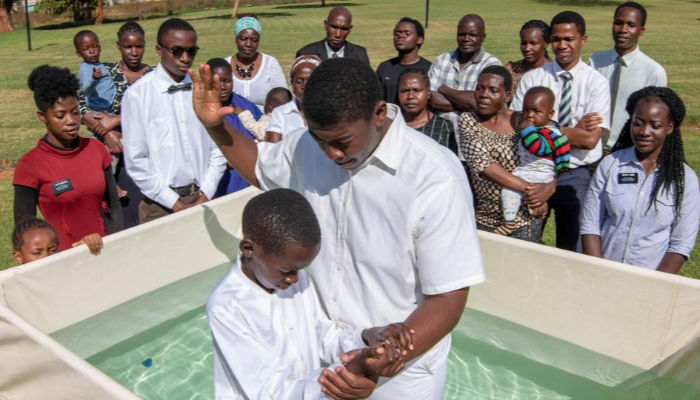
(396,168)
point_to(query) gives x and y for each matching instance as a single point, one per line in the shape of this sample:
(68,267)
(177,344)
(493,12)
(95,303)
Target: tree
(81,9)
(236,3)
(5,19)
(100,12)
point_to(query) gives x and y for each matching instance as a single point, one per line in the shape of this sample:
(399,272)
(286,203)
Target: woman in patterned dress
(534,39)
(489,143)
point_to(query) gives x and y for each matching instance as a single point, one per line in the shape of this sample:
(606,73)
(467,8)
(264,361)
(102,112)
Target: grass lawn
(673,27)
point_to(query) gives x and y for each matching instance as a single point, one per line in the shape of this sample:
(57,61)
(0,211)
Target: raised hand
(205,97)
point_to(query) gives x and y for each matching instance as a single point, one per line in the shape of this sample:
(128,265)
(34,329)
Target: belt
(185,190)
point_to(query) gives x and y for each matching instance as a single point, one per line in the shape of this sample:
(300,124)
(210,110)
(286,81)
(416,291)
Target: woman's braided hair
(671,169)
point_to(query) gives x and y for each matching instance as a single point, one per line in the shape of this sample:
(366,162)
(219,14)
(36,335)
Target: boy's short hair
(500,71)
(416,71)
(281,94)
(50,84)
(278,217)
(541,90)
(341,90)
(173,24)
(27,224)
(570,17)
(82,33)
(218,62)
(420,32)
(633,4)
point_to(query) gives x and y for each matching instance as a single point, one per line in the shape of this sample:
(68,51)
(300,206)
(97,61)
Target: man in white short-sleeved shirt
(583,111)
(398,233)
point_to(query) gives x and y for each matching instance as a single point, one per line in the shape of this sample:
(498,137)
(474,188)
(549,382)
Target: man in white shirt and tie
(167,151)
(625,66)
(398,232)
(583,111)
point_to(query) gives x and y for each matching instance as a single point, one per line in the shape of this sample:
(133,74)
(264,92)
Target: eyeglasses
(177,51)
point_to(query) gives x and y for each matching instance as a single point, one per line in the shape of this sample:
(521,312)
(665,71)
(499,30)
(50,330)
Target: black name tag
(627,177)
(61,186)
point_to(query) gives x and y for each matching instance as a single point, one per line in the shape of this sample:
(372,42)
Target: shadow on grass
(73,24)
(260,15)
(582,3)
(317,5)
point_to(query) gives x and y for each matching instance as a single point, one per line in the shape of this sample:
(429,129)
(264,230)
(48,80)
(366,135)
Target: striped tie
(565,113)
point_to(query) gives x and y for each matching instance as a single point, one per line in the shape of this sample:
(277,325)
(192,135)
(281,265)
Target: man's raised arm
(239,150)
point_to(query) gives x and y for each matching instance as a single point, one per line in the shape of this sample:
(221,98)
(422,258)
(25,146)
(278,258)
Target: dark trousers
(567,203)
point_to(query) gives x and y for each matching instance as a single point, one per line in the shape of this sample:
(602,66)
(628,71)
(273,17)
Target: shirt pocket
(619,203)
(161,133)
(663,210)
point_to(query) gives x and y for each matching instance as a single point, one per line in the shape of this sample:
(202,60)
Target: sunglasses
(177,51)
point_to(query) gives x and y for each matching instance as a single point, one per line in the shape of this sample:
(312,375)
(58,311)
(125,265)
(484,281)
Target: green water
(490,359)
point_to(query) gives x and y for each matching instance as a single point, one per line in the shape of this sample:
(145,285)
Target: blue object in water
(147,362)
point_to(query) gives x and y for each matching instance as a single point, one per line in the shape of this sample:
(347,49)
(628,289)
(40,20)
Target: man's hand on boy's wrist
(399,335)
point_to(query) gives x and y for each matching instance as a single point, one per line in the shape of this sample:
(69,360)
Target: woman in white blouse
(254,73)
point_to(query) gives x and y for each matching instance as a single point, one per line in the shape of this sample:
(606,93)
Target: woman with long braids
(642,204)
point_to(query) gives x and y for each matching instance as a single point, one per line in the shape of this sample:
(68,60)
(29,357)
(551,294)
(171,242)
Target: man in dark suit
(338,26)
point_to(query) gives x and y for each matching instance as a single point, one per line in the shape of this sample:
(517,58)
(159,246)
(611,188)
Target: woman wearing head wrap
(290,117)
(254,73)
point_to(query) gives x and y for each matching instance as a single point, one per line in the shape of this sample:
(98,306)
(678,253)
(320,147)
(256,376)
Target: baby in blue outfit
(96,83)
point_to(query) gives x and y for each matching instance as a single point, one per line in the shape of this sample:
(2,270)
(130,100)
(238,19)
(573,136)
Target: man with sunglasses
(338,26)
(167,151)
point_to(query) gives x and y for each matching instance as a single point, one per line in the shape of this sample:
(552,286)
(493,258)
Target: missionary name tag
(627,177)
(61,186)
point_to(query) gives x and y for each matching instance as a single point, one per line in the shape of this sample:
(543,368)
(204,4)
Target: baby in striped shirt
(543,151)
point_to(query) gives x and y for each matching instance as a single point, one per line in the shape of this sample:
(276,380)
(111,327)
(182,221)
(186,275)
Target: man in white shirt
(582,109)
(167,151)
(399,238)
(625,66)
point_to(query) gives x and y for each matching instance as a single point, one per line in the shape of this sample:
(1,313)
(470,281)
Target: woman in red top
(67,176)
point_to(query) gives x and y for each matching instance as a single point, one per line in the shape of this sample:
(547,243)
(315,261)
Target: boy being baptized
(268,328)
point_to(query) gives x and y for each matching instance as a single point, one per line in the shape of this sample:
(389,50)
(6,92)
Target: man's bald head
(340,11)
(473,18)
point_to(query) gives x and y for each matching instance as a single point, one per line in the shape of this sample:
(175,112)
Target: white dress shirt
(268,77)
(165,145)
(270,345)
(638,71)
(397,228)
(285,119)
(590,92)
(340,53)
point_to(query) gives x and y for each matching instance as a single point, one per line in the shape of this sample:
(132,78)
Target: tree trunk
(236,3)
(323,3)
(5,18)
(100,12)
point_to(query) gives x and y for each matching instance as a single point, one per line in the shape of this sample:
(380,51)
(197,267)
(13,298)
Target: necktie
(565,113)
(334,55)
(177,88)
(615,84)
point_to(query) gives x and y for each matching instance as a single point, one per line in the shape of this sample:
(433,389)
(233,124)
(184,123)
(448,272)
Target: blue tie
(565,113)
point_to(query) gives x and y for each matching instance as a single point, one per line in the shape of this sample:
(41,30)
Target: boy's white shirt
(271,345)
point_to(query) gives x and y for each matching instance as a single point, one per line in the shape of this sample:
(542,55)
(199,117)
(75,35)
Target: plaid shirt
(446,71)
(440,130)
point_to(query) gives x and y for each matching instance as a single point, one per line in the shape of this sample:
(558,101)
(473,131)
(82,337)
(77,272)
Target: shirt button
(334,299)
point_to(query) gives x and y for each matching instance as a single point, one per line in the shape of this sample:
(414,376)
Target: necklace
(243,73)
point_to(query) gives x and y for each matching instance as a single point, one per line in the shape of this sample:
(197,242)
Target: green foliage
(81,9)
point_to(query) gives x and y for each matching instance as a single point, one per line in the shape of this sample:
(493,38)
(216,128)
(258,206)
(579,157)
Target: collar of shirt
(454,56)
(164,80)
(557,70)
(629,58)
(341,52)
(388,151)
(628,156)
